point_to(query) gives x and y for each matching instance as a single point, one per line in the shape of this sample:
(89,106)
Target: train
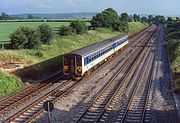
(81,62)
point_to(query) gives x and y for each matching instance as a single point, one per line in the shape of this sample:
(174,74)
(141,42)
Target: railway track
(20,97)
(120,95)
(95,109)
(134,107)
(28,112)
(34,110)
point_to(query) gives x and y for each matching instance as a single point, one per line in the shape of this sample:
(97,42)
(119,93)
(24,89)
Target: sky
(160,7)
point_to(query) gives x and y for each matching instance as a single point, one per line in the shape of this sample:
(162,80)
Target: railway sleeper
(88,120)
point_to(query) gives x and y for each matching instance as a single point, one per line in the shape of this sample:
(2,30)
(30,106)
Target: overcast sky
(163,7)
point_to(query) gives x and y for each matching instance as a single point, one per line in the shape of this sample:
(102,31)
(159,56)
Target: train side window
(85,61)
(89,59)
(92,57)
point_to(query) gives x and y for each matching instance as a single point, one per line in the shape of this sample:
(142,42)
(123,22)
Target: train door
(69,64)
(72,65)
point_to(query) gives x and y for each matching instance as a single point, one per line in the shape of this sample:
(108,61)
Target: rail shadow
(40,70)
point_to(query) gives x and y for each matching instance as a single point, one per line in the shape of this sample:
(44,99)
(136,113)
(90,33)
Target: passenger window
(89,58)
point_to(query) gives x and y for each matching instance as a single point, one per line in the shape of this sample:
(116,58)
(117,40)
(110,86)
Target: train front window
(79,61)
(65,61)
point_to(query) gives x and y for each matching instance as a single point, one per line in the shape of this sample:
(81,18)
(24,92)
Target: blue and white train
(84,60)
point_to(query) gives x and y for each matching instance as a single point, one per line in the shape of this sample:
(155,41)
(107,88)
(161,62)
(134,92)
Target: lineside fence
(4,44)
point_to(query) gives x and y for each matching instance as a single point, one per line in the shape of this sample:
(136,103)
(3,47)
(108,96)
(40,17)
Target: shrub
(97,20)
(79,26)
(120,26)
(45,32)
(66,30)
(24,38)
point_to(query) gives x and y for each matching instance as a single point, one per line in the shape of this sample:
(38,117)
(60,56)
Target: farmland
(7,28)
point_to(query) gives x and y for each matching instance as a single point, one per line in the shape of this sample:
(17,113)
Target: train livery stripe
(95,62)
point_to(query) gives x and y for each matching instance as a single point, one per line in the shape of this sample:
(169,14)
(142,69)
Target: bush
(120,26)
(45,32)
(66,30)
(97,20)
(79,26)
(25,38)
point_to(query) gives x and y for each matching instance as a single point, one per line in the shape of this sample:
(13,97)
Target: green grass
(7,28)
(8,84)
(47,58)
(135,26)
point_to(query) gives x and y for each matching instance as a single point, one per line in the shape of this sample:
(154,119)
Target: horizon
(90,13)
(153,7)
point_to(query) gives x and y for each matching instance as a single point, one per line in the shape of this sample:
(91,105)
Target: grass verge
(8,84)
(173,38)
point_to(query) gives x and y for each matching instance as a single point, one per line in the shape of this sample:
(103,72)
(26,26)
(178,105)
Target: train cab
(72,65)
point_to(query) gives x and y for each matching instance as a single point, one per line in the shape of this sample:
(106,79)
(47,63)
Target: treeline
(5,17)
(28,38)
(108,18)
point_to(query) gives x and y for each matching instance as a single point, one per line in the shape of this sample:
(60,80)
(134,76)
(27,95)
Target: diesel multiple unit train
(82,61)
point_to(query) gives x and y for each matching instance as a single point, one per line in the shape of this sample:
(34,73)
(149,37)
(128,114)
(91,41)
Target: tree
(159,19)
(130,19)
(25,38)
(124,17)
(97,20)
(66,30)
(135,16)
(144,19)
(45,32)
(30,16)
(150,18)
(139,18)
(4,16)
(121,26)
(170,20)
(79,26)
(105,18)
(109,16)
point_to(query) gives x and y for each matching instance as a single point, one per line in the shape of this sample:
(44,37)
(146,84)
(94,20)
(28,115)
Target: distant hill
(59,15)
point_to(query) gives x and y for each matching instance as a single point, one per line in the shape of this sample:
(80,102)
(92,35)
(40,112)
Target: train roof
(94,47)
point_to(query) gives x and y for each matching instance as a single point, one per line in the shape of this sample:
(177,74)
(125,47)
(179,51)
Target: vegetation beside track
(173,38)
(47,58)
(61,45)
(8,84)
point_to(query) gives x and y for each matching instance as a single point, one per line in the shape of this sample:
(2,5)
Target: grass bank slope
(8,84)
(173,38)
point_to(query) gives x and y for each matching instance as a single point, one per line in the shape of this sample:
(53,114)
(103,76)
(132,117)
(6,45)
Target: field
(7,28)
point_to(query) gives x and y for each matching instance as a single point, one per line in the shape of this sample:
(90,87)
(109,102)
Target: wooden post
(2,46)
